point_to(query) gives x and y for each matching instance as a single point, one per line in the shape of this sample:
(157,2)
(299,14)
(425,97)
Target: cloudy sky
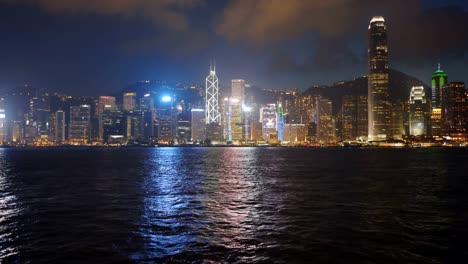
(99,46)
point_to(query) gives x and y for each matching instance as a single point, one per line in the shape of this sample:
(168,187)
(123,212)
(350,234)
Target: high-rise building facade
(2,125)
(134,126)
(80,124)
(418,111)
(238,90)
(166,121)
(59,126)
(378,94)
(294,133)
(129,101)
(268,117)
(438,84)
(183,128)
(354,117)
(198,125)
(399,119)
(325,122)
(455,108)
(103,101)
(148,116)
(280,120)
(212,113)
(235,124)
(114,125)
(439,81)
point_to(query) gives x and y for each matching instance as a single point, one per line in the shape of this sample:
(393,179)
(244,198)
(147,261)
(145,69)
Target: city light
(248,115)
(325,139)
(247,108)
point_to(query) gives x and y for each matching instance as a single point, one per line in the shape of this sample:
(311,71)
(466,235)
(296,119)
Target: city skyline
(233,131)
(395,109)
(114,47)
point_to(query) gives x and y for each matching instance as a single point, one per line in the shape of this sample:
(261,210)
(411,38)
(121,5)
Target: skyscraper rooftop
(377,19)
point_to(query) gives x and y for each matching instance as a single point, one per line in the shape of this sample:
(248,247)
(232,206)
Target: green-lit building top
(439,80)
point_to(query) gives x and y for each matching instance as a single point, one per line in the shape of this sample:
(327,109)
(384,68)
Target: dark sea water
(225,205)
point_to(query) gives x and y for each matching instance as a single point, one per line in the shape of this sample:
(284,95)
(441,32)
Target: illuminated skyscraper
(134,126)
(238,90)
(399,119)
(166,121)
(198,125)
(325,122)
(148,114)
(2,124)
(235,125)
(354,117)
(455,108)
(212,114)
(104,101)
(60,126)
(439,81)
(80,124)
(280,120)
(129,101)
(114,124)
(378,96)
(268,117)
(294,133)
(418,111)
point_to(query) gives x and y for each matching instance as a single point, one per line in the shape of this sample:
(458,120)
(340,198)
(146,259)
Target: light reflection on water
(210,202)
(232,205)
(166,206)
(9,209)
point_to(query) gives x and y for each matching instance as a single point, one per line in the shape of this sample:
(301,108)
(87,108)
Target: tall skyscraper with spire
(378,94)
(439,82)
(212,114)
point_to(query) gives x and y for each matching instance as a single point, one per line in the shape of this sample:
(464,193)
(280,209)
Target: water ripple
(233,205)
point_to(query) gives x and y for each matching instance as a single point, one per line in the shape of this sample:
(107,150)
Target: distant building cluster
(153,113)
(441,112)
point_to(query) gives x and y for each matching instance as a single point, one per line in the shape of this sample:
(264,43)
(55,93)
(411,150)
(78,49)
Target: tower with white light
(212,114)
(378,81)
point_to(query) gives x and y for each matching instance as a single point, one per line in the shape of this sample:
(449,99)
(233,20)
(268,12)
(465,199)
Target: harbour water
(252,205)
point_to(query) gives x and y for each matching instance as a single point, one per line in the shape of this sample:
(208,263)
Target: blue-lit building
(166,120)
(2,123)
(280,120)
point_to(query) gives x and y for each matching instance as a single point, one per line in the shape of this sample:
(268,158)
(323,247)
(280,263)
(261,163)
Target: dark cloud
(416,34)
(329,54)
(167,14)
(429,33)
(272,33)
(263,21)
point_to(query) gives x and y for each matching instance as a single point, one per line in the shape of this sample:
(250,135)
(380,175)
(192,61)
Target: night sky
(94,47)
